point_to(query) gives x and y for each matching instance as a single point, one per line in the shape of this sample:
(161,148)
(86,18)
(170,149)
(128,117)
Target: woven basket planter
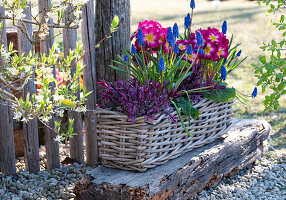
(142,145)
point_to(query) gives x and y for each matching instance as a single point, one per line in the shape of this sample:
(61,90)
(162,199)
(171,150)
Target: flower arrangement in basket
(173,76)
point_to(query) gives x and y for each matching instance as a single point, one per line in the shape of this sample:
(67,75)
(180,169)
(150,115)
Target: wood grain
(30,129)
(183,177)
(7,148)
(76,142)
(89,77)
(52,147)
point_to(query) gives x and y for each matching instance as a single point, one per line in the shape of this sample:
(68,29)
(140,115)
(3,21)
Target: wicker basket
(142,145)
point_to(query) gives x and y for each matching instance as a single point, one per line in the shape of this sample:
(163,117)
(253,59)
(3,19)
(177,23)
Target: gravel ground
(265,180)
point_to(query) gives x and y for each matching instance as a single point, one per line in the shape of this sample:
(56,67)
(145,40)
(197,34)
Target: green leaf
(180,117)
(262,59)
(187,108)
(221,95)
(118,69)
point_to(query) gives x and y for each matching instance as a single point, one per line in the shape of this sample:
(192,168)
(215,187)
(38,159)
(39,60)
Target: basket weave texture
(142,145)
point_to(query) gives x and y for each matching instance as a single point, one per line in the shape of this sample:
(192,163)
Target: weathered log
(30,129)
(183,177)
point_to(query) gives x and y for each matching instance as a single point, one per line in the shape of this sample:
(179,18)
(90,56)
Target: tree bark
(76,142)
(182,177)
(111,48)
(52,147)
(7,148)
(30,129)
(89,77)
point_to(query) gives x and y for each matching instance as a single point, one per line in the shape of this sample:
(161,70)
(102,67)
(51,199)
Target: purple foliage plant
(135,100)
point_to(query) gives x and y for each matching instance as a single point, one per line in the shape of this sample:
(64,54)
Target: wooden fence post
(89,78)
(30,129)
(7,148)
(52,147)
(76,142)
(111,48)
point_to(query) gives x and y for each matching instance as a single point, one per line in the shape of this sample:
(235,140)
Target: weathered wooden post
(30,129)
(76,142)
(7,148)
(89,78)
(111,48)
(52,147)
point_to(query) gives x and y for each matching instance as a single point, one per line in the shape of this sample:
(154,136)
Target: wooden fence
(93,67)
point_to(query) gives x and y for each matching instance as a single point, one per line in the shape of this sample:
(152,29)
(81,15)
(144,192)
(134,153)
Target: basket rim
(159,116)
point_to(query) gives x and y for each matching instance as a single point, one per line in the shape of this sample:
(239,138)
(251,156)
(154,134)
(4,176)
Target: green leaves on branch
(114,24)
(271,71)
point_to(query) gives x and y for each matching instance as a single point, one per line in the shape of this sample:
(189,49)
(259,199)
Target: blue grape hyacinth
(187,21)
(176,49)
(161,64)
(238,54)
(224,27)
(133,49)
(126,58)
(140,37)
(192,5)
(223,73)
(176,31)
(201,51)
(190,49)
(200,40)
(170,37)
(254,93)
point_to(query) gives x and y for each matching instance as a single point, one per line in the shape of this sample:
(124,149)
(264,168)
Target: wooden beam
(30,129)
(76,142)
(112,47)
(52,147)
(182,177)
(89,77)
(7,148)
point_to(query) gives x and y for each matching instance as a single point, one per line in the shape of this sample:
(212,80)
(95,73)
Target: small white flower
(27,69)
(59,138)
(81,109)
(58,97)
(17,115)
(5,54)
(24,120)
(18,13)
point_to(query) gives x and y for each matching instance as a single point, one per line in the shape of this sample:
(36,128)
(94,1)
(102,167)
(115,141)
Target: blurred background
(250,25)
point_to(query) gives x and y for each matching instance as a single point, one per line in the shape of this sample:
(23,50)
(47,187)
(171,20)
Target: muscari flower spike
(187,21)
(238,54)
(126,58)
(162,64)
(199,37)
(224,27)
(170,37)
(201,51)
(190,49)
(176,48)
(223,73)
(176,30)
(140,36)
(133,50)
(254,93)
(192,5)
